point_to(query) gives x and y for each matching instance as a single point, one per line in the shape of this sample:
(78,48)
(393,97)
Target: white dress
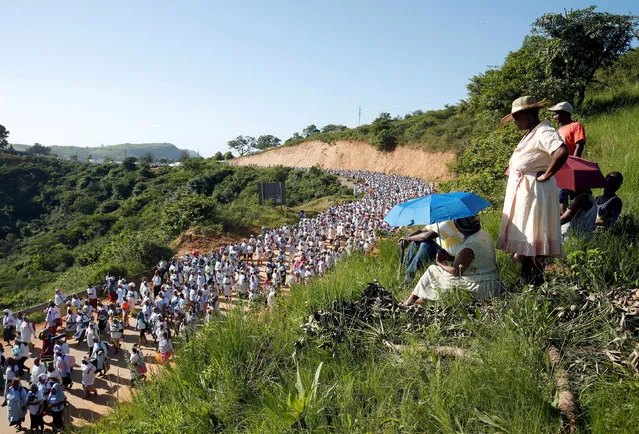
(530,220)
(481,277)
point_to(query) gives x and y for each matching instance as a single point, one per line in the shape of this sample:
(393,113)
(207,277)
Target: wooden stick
(565,398)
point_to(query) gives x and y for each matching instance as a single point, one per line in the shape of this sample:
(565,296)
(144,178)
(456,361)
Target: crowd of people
(182,293)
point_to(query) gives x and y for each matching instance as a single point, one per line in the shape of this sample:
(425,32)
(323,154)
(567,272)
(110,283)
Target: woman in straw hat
(530,226)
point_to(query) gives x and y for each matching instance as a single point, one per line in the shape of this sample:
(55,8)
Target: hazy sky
(199,73)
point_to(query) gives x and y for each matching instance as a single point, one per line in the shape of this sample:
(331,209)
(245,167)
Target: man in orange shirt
(574,136)
(572,132)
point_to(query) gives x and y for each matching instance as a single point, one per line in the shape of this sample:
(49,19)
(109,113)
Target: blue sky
(199,73)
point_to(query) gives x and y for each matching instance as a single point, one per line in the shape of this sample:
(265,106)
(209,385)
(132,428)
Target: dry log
(565,398)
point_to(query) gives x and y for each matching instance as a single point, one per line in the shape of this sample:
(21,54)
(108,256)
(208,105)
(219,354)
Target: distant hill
(115,152)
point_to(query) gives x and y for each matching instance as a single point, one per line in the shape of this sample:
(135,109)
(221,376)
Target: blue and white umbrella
(436,208)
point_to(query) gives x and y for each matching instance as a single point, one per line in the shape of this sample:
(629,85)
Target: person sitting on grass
(579,218)
(422,245)
(474,268)
(609,204)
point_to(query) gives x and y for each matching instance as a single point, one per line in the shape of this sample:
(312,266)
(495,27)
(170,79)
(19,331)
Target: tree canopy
(310,131)
(38,149)
(581,41)
(558,60)
(242,144)
(4,134)
(267,141)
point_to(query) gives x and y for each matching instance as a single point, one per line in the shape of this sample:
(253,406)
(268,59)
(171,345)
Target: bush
(481,167)
(189,210)
(96,277)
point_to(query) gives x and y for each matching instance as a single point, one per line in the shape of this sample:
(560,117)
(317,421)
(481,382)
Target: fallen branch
(445,351)
(565,398)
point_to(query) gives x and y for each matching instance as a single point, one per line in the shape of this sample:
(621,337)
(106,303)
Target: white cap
(563,106)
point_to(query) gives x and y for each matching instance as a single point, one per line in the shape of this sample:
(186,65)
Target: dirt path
(113,387)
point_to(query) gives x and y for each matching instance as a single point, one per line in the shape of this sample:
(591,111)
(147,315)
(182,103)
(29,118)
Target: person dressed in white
(37,369)
(27,331)
(88,377)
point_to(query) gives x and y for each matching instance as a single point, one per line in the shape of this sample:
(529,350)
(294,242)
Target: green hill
(119,152)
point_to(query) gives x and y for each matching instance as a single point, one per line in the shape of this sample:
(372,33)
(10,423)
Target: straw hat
(524,103)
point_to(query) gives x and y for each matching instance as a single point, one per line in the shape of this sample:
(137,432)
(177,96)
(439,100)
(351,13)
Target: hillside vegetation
(63,224)
(453,366)
(157,152)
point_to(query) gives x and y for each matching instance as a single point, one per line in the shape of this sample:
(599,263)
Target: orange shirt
(572,133)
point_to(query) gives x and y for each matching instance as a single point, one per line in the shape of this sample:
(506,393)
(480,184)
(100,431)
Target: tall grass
(613,139)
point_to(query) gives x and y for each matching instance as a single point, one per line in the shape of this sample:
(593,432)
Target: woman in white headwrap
(9,327)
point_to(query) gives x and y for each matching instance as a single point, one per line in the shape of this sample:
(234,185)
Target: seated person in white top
(473,268)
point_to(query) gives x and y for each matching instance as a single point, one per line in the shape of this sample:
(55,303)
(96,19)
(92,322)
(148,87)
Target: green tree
(38,149)
(4,134)
(266,142)
(242,144)
(310,131)
(146,158)
(383,133)
(582,41)
(129,163)
(218,156)
(184,155)
(228,155)
(332,128)
(523,73)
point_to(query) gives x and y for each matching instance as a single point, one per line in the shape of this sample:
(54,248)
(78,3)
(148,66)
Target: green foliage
(309,131)
(4,134)
(382,133)
(184,155)
(242,144)
(146,158)
(482,165)
(129,163)
(218,156)
(267,141)
(582,41)
(228,155)
(38,149)
(187,210)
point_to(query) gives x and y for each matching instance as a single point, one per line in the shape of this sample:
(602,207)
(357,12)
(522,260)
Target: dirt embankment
(356,155)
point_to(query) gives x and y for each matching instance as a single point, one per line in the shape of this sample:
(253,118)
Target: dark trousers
(37,422)
(58,422)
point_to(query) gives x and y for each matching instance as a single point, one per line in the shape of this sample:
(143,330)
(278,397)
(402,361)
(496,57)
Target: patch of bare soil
(356,155)
(196,239)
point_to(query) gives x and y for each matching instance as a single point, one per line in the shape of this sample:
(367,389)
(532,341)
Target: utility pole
(359,117)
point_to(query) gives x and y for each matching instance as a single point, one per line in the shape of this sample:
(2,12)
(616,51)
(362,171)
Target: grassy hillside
(115,152)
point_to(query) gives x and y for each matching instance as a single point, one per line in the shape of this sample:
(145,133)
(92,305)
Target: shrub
(188,210)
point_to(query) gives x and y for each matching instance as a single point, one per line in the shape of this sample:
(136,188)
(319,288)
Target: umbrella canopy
(436,208)
(578,174)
